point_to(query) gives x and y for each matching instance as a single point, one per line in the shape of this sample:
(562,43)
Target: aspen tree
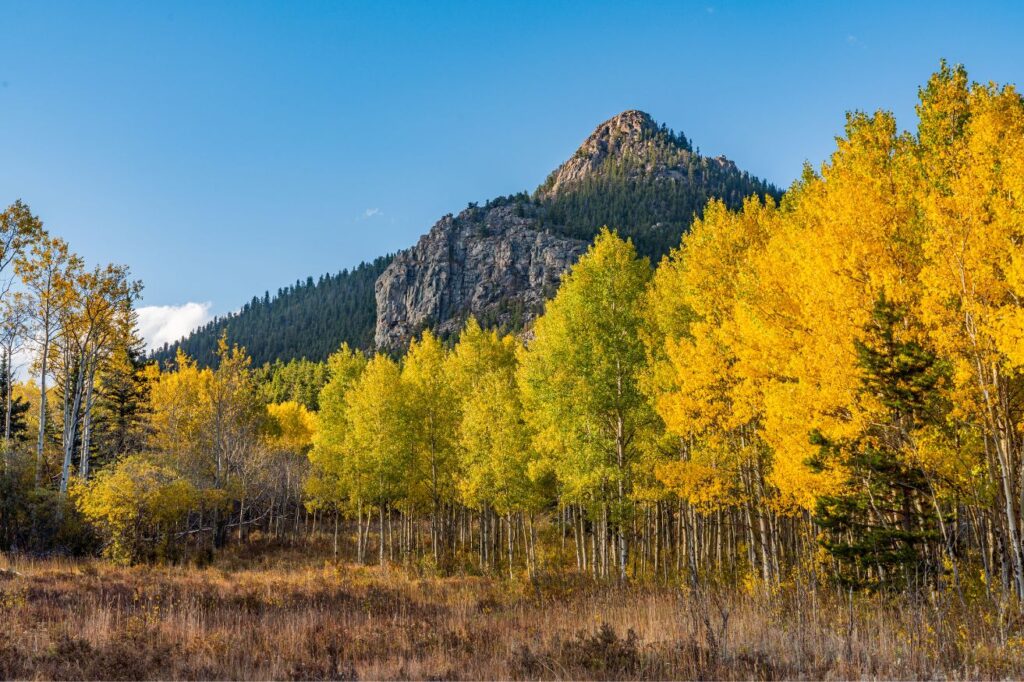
(581,383)
(431,411)
(47,269)
(379,454)
(327,485)
(971,150)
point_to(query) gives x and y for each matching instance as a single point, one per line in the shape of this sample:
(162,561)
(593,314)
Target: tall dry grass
(296,618)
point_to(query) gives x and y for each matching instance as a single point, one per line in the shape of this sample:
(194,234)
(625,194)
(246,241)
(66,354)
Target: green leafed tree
(378,456)
(328,486)
(432,418)
(581,383)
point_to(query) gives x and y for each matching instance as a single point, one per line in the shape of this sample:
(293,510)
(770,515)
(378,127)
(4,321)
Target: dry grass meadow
(283,615)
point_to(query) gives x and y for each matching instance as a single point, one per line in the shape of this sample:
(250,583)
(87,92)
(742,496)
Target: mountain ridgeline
(499,261)
(308,319)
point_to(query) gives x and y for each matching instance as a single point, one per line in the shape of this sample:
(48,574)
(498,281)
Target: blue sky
(224,149)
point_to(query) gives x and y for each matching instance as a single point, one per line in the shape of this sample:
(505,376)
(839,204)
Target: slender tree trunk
(83,466)
(359,532)
(620,454)
(381,535)
(577,542)
(336,515)
(71,427)
(42,404)
(241,518)
(533,547)
(8,403)
(510,545)
(391,536)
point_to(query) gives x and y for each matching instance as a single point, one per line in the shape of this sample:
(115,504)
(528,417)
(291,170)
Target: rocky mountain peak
(630,127)
(632,133)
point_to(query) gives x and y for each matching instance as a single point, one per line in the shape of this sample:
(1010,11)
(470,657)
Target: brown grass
(299,620)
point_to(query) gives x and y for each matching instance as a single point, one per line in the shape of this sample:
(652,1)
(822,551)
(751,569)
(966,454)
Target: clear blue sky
(222,149)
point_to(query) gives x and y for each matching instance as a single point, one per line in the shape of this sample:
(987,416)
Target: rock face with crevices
(495,263)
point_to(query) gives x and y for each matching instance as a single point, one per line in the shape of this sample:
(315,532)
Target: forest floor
(285,615)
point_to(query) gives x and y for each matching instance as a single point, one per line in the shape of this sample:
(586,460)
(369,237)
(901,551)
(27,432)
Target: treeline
(823,388)
(837,372)
(306,320)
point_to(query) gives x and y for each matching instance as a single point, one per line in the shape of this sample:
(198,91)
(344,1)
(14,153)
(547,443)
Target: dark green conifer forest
(308,319)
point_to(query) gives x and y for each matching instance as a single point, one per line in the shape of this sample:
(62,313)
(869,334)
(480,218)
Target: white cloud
(160,324)
(370,213)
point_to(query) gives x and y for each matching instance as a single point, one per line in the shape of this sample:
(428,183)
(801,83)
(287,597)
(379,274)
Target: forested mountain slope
(643,180)
(305,320)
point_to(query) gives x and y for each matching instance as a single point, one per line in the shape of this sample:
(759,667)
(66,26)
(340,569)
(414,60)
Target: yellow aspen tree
(326,485)
(101,306)
(47,269)
(478,356)
(378,447)
(971,149)
(498,466)
(698,390)
(284,464)
(179,409)
(432,414)
(843,239)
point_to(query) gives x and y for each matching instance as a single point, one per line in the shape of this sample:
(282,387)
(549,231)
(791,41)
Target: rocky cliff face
(495,263)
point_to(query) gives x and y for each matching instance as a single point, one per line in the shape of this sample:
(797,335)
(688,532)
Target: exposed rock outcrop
(630,133)
(495,263)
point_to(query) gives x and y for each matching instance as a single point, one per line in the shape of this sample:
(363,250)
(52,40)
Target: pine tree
(122,404)
(877,526)
(308,319)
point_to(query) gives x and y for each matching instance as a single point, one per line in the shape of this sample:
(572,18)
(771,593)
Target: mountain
(501,261)
(306,320)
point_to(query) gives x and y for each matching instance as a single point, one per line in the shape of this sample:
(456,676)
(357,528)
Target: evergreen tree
(298,380)
(122,404)
(879,525)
